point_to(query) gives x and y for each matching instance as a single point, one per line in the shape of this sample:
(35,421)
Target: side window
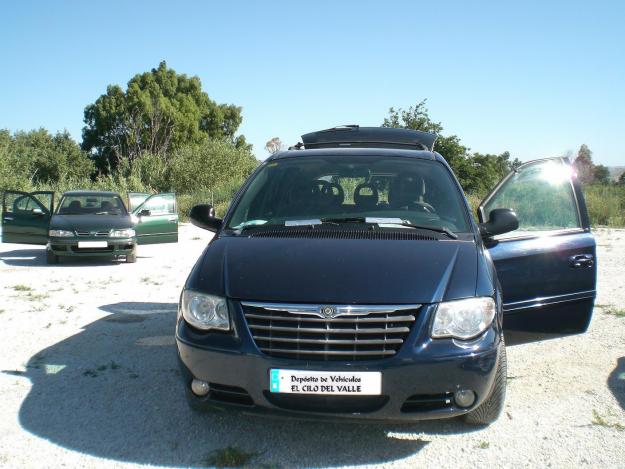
(20,203)
(542,196)
(161,205)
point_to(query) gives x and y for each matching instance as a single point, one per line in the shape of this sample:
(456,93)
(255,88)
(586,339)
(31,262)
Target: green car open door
(157,218)
(26,216)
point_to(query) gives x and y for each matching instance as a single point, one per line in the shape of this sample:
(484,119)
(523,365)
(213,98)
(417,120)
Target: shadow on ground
(36,257)
(114,391)
(616,382)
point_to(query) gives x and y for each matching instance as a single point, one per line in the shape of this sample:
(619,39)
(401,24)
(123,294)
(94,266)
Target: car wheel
(490,409)
(132,257)
(51,258)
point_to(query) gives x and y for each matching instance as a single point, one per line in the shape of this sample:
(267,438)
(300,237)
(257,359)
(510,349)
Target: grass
(150,281)
(230,456)
(36,296)
(619,313)
(601,422)
(483,445)
(21,287)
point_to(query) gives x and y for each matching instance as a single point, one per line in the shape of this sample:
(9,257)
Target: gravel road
(88,377)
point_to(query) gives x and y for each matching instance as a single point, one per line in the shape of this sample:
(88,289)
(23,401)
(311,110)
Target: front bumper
(417,383)
(69,247)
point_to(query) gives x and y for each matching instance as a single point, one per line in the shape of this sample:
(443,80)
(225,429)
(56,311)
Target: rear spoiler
(355,136)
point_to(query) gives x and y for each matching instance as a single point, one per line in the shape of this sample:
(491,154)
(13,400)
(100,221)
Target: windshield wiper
(391,221)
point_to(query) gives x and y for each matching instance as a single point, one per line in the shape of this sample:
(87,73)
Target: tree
(621,179)
(583,165)
(159,111)
(274,145)
(601,174)
(35,157)
(476,172)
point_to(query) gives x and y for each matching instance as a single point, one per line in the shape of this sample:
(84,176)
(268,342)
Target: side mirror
(203,216)
(500,220)
(145,213)
(37,211)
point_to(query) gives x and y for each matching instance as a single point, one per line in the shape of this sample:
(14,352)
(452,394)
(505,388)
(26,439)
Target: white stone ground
(88,377)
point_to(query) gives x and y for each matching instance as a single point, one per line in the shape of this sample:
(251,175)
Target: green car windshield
(91,204)
(385,190)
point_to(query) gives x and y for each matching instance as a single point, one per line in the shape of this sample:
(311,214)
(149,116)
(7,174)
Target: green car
(89,223)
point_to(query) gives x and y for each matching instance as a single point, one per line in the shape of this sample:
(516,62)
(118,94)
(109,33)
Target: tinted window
(419,191)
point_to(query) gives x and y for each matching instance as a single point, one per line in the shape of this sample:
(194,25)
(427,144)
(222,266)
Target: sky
(537,79)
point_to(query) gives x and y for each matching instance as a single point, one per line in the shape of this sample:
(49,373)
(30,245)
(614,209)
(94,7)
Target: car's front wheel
(51,258)
(490,409)
(131,258)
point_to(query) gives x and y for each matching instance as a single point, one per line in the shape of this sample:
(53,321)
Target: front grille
(357,332)
(97,234)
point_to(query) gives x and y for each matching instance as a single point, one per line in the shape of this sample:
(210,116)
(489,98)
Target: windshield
(91,204)
(376,189)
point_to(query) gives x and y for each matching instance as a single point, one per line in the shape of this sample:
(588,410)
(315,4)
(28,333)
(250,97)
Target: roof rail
(354,136)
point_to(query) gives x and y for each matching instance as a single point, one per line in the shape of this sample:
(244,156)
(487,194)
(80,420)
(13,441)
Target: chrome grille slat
(301,331)
(313,330)
(329,341)
(98,234)
(294,318)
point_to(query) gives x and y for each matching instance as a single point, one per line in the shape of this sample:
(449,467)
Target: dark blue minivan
(349,279)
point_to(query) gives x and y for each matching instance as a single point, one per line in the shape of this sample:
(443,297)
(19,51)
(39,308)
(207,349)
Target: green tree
(584,165)
(621,179)
(159,111)
(37,157)
(601,174)
(476,172)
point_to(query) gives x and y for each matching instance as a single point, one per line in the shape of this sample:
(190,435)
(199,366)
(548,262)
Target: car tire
(491,408)
(51,258)
(132,257)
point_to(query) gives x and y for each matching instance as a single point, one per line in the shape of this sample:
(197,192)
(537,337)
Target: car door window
(21,203)
(542,196)
(164,204)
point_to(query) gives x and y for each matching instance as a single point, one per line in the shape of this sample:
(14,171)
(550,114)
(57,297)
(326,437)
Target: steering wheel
(427,208)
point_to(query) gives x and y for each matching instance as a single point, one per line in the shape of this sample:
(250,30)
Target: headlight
(60,233)
(205,311)
(463,319)
(128,233)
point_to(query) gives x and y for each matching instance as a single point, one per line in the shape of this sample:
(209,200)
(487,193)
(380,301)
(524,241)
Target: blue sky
(537,79)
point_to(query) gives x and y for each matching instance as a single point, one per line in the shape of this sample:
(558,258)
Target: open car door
(547,267)
(157,219)
(26,216)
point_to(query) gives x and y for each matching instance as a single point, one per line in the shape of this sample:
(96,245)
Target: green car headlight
(127,233)
(205,311)
(60,233)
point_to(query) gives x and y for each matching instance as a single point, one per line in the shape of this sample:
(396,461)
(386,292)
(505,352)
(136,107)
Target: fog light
(199,388)
(464,398)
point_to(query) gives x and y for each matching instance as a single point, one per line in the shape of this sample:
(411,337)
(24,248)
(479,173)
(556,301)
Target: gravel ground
(89,377)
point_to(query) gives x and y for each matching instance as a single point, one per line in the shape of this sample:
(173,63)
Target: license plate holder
(330,383)
(92,244)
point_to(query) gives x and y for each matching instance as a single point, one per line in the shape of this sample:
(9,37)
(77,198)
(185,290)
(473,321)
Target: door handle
(581,261)
(8,218)
(172,219)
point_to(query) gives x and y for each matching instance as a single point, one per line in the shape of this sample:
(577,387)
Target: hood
(337,270)
(90,222)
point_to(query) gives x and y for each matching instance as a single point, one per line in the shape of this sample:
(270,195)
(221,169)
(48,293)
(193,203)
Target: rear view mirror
(203,216)
(500,220)
(145,213)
